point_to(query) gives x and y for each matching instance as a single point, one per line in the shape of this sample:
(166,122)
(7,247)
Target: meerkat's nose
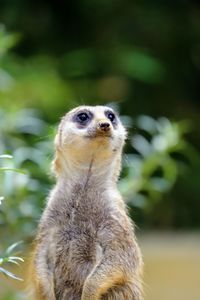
(104,126)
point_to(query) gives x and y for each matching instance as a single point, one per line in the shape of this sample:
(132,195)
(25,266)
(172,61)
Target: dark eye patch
(83,117)
(111,116)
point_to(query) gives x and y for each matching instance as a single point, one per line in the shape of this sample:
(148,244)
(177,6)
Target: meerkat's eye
(82,117)
(111,116)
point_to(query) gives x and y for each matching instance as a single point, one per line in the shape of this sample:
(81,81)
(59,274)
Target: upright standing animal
(85,247)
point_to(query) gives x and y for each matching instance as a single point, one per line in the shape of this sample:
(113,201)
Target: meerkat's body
(86,248)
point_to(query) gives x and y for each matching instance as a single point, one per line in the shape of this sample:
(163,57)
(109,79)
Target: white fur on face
(79,145)
(80,148)
(72,134)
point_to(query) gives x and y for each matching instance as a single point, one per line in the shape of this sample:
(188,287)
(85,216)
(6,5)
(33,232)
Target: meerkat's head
(89,133)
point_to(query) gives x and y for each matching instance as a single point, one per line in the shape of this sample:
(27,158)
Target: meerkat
(86,248)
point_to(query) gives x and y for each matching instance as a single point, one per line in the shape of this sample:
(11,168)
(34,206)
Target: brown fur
(85,247)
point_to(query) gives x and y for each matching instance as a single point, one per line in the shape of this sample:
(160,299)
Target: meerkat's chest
(78,248)
(84,221)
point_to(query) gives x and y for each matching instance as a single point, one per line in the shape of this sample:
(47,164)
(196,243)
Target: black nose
(104,126)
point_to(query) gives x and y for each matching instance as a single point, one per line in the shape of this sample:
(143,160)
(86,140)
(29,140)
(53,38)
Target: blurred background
(142,58)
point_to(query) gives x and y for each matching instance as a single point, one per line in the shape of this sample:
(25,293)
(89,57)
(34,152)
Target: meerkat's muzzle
(103,126)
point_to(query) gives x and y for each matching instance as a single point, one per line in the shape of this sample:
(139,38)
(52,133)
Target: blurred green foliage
(140,56)
(10,258)
(24,193)
(160,155)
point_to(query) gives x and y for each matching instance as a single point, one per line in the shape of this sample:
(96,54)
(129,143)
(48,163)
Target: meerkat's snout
(104,126)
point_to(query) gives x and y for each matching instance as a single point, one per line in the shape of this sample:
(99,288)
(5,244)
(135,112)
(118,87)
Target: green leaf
(140,65)
(11,259)
(12,247)
(1,199)
(3,169)
(6,156)
(9,274)
(16,258)
(7,41)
